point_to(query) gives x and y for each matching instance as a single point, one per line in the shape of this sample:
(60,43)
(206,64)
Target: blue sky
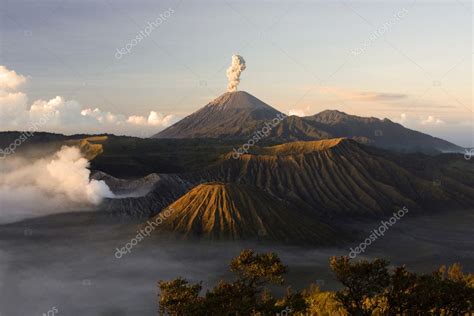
(300,57)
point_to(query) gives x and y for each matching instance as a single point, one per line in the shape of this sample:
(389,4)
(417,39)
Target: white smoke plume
(234,71)
(55,184)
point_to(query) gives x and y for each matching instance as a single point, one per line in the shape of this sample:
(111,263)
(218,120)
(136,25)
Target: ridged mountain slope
(228,211)
(382,133)
(159,190)
(335,177)
(232,115)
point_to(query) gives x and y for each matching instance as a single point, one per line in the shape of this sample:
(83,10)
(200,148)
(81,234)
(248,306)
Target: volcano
(239,115)
(228,211)
(232,115)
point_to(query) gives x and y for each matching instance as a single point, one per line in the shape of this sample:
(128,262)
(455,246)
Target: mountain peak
(231,115)
(218,210)
(332,112)
(301,147)
(239,100)
(336,116)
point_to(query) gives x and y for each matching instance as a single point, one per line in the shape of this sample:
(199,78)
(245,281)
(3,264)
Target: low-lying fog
(68,262)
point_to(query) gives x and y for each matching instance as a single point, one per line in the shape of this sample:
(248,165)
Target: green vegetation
(369,288)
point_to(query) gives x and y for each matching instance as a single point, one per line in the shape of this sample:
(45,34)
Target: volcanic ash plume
(234,71)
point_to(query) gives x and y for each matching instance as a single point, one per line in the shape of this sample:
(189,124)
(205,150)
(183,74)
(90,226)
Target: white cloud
(9,79)
(12,107)
(158,119)
(12,102)
(414,121)
(69,116)
(431,120)
(137,120)
(403,118)
(408,120)
(296,112)
(154,119)
(41,106)
(299,112)
(103,117)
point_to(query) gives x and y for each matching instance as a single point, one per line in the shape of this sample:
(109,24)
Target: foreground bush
(369,288)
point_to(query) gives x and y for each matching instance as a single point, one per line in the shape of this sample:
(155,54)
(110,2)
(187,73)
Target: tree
(445,291)
(399,293)
(234,298)
(254,271)
(258,269)
(245,296)
(409,292)
(369,289)
(179,297)
(364,281)
(457,293)
(293,302)
(322,303)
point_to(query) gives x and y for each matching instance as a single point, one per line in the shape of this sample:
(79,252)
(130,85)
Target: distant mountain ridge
(382,133)
(239,115)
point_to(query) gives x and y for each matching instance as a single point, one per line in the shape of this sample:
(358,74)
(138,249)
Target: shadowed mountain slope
(333,178)
(227,211)
(239,115)
(330,178)
(143,197)
(381,133)
(232,115)
(336,177)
